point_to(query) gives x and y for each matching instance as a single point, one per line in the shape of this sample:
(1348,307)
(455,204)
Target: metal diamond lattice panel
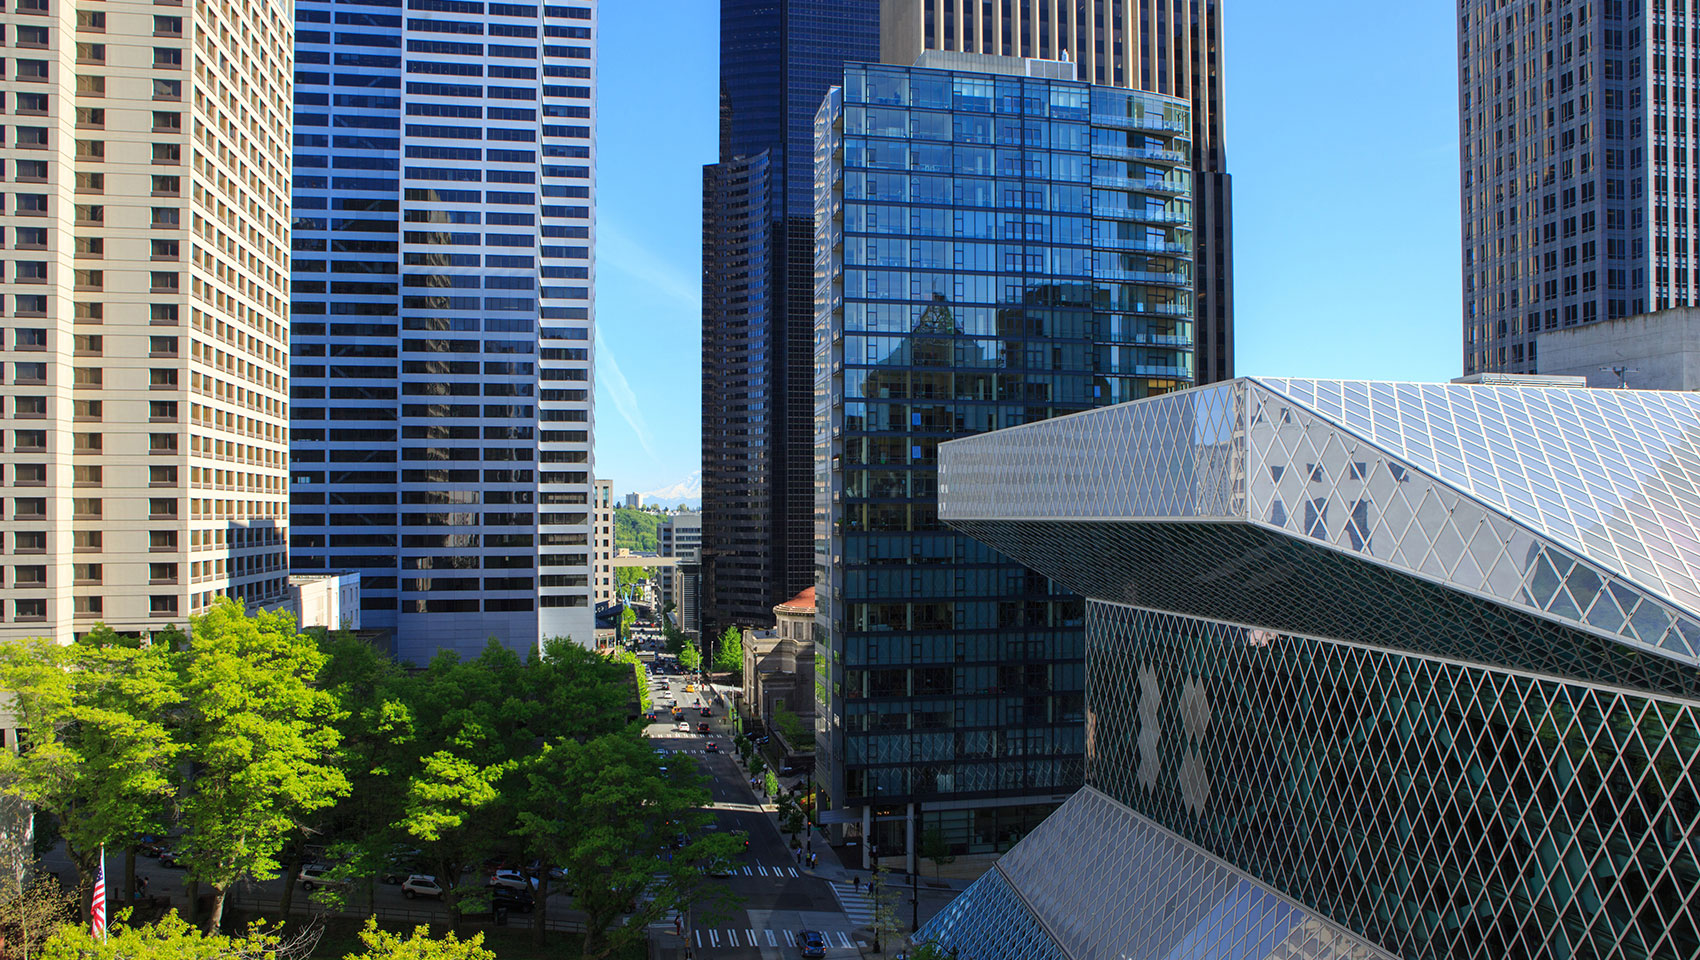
(1441,809)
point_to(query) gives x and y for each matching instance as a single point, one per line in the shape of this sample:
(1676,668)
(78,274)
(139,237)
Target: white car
(684,726)
(513,880)
(421,885)
(313,875)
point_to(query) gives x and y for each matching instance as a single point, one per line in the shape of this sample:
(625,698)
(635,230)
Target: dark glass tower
(998,243)
(777,61)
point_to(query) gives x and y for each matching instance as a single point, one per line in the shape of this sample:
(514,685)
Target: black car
(518,901)
(811,943)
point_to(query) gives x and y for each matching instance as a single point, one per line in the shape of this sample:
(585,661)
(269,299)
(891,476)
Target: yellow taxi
(690,688)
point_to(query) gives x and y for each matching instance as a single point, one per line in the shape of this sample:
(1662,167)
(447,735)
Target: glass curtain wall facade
(442,312)
(1171,47)
(1577,124)
(777,60)
(1374,669)
(994,249)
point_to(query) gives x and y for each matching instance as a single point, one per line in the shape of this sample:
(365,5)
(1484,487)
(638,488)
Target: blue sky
(1342,138)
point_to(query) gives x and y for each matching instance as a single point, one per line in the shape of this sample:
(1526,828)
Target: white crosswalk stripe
(858,906)
(744,938)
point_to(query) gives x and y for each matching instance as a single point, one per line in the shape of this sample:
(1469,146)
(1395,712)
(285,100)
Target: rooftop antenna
(1622,373)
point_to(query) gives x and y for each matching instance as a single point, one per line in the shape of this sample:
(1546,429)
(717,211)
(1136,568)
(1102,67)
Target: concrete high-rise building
(681,537)
(144,365)
(443,311)
(1578,173)
(602,541)
(1172,47)
(999,244)
(777,60)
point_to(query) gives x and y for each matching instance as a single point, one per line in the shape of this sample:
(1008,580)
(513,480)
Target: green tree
(797,734)
(100,755)
(172,938)
(628,616)
(262,743)
(887,924)
(690,657)
(419,945)
(674,639)
(935,847)
(33,906)
(645,701)
(729,653)
(605,811)
(770,782)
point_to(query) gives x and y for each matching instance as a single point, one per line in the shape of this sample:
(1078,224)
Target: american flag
(97,907)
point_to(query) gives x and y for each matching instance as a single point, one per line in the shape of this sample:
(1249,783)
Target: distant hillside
(635,530)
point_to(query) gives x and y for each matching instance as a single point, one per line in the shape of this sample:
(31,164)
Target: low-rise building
(329,600)
(779,674)
(1649,351)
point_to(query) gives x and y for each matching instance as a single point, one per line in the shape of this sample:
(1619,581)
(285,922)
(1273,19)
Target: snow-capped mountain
(685,493)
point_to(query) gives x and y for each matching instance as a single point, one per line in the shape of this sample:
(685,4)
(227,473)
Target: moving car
(712,747)
(421,885)
(701,728)
(684,727)
(707,712)
(811,943)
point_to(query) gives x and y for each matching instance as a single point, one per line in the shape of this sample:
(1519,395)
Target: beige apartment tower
(1171,47)
(143,339)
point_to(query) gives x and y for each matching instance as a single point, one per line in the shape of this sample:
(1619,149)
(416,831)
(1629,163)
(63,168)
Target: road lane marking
(752,932)
(732,938)
(699,939)
(714,938)
(770,941)
(790,939)
(763,870)
(843,938)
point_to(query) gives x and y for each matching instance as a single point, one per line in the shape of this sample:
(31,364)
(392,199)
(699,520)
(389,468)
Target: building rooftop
(801,603)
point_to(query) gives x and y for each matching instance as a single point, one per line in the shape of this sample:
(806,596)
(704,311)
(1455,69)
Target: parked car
(313,875)
(171,858)
(421,885)
(810,943)
(512,880)
(519,901)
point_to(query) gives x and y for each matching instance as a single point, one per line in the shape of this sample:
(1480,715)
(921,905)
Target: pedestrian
(856,883)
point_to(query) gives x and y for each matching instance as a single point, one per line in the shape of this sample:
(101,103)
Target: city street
(780,897)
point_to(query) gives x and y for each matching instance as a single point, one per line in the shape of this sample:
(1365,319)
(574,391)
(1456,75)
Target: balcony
(1148,121)
(1163,187)
(1139,153)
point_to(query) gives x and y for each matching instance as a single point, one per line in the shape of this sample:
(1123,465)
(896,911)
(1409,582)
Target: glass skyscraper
(777,60)
(998,243)
(1373,670)
(442,315)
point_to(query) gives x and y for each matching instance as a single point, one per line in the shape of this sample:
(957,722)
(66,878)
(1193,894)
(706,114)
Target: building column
(913,858)
(867,837)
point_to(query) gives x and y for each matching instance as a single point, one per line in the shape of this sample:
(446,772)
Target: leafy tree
(625,577)
(637,530)
(690,657)
(377,737)
(674,639)
(99,756)
(729,653)
(262,743)
(172,938)
(645,701)
(33,906)
(419,945)
(604,811)
(936,848)
(627,617)
(887,924)
(797,734)
(770,782)
(930,950)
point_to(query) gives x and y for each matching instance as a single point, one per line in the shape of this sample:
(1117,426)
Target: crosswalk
(858,906)
(761,870)
(723,938)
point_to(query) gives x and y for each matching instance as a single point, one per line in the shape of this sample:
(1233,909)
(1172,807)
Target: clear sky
(1342,139)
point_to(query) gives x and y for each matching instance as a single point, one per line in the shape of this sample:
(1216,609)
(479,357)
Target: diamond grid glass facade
(1418,657)
(994,249)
